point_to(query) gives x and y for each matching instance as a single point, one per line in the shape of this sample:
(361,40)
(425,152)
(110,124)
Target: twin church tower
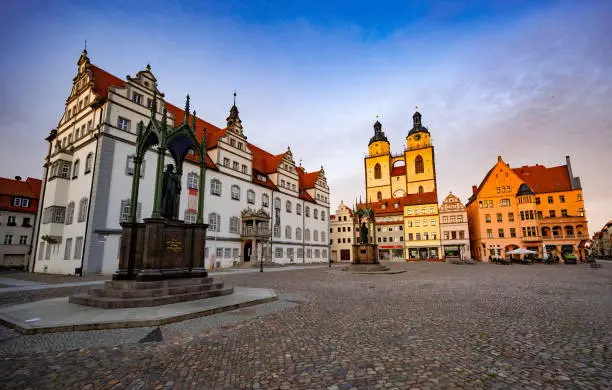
(410,172)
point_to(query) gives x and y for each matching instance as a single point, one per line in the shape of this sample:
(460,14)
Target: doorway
(246,251)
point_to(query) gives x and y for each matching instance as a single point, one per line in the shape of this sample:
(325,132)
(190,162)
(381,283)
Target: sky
(526,80)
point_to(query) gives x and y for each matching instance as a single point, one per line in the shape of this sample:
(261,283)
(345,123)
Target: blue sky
(527,80)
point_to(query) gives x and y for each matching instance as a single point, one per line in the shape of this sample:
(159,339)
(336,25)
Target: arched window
(277,203)
(316,214)
(298,209)
(298,233)
(322,236)
(75,169)
(322,215)
(215,187)
(82,210)
(418,164)
(265,200)
(307,211)
(379,195)
(288,206)
(276,230)
(569,231)
(251,196)
(287,231)
(377,171)
(69,213)
(88,163)
(315,235)
(556,230)
(420,189)
(214,222)
(306,234)
(235,192)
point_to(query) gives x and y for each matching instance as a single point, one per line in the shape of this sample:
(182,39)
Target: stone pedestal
(365,254)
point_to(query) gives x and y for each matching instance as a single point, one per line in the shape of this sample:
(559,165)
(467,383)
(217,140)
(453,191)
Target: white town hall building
(88,174)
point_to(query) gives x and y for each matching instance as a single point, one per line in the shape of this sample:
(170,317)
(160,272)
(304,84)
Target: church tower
(378,166)
(419,156)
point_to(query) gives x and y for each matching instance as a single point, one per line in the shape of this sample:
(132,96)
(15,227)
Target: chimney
(18,178)
(474,189)
(499,159)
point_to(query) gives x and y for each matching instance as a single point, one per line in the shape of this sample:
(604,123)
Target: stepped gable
(541,179)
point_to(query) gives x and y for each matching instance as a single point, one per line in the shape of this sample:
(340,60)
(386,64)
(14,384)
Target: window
(282,183)
(424,210)
(190,217)
(240,145)
(149,101)
(316,213)
(65,173)
(417,236)
(579,197)
(550,200)
(277,231)
(123,124)
(235,192)
(379,195)
(277,203)
(26,222)
(234,225)
(480,203)
(227,252)
(215,187)
(137,98)
(251,196)
(82,210)
(278,252)
(505,202)
(232,142)
(235,165)
(489,233)
(88,163)
(315,235)
(564,212)
(537,199)
(511,217)
(226,162)
(129,166)
(68,249)
(41,250)
(288,206)
(244,168)
(12,220)
(500,233)
(488,218)
(214,222)
(78,248)
(377,171)
(459,218)
(420,189)
(307,211)
(69,213)
(317,253)
(562,198)
(306,235)
(418,164)
(461,234)
(432,222)
(235,252)
(581,212)
(23,240)
(265,200)
(512,232)
(499,217)
(75,169)
(193,180)
(8,239)
(507,187)
(89,125)
(322,215)
(446,235)
(54,214)
(424,222)
(287,231)
(298,209)
(552,213)
(298,233)
(219,253)
(498,190)
(124,214)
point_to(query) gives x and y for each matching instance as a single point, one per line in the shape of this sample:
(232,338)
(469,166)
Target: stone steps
(109,302)
(111,292)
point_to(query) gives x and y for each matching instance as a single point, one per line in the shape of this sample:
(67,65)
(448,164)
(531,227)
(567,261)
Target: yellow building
(409,176)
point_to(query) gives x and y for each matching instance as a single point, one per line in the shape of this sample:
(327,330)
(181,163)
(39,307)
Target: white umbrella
(521,251)
(544,254)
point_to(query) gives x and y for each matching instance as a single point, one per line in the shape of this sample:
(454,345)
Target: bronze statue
(363,234)
(171,191)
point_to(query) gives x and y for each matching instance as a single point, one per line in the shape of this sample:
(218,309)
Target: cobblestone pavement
(435,326)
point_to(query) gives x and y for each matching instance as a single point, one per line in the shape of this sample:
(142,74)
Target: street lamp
(261,261)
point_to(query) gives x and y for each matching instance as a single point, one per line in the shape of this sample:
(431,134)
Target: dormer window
(137,98)
(233,142)
(240,145)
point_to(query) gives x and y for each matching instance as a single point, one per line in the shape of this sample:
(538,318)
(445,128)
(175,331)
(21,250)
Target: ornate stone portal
(161,259)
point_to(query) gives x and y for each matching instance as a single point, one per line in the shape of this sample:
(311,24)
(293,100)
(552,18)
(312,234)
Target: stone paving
(434,326)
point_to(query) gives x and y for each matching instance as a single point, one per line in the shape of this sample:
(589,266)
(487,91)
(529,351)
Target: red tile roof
(264,162)
(10,188)
(307,179)
(398,171)
(541,179)
(408,200)
(103,80)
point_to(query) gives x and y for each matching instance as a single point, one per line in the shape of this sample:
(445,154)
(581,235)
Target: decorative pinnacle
(234,97)
(148,67)
(186,109)
(193,121)
(165,116)
(154,106)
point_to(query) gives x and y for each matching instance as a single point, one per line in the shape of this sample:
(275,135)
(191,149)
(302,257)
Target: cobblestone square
(434,326)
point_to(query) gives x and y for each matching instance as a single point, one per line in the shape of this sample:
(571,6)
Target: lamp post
(261,261)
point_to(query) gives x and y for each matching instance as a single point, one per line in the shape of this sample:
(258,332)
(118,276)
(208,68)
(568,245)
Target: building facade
(454,230)
(258,205)
(531,207)
(400,186)
(602,242)
(342,234)
(18,205)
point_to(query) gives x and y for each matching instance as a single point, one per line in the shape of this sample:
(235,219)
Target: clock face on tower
(417,137)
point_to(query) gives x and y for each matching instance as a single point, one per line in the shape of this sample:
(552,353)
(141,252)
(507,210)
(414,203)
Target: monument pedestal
(365,259)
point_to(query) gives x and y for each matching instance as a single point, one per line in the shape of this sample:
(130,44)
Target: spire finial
(148,67)
(186,109)
(416,108)
(300,163)
(376,116)
(234,97)
(85,49)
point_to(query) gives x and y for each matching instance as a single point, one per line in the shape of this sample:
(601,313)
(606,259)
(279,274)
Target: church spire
(379,135)
(233,120)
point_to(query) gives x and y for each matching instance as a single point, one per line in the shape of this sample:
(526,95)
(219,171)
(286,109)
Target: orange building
(531,207)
